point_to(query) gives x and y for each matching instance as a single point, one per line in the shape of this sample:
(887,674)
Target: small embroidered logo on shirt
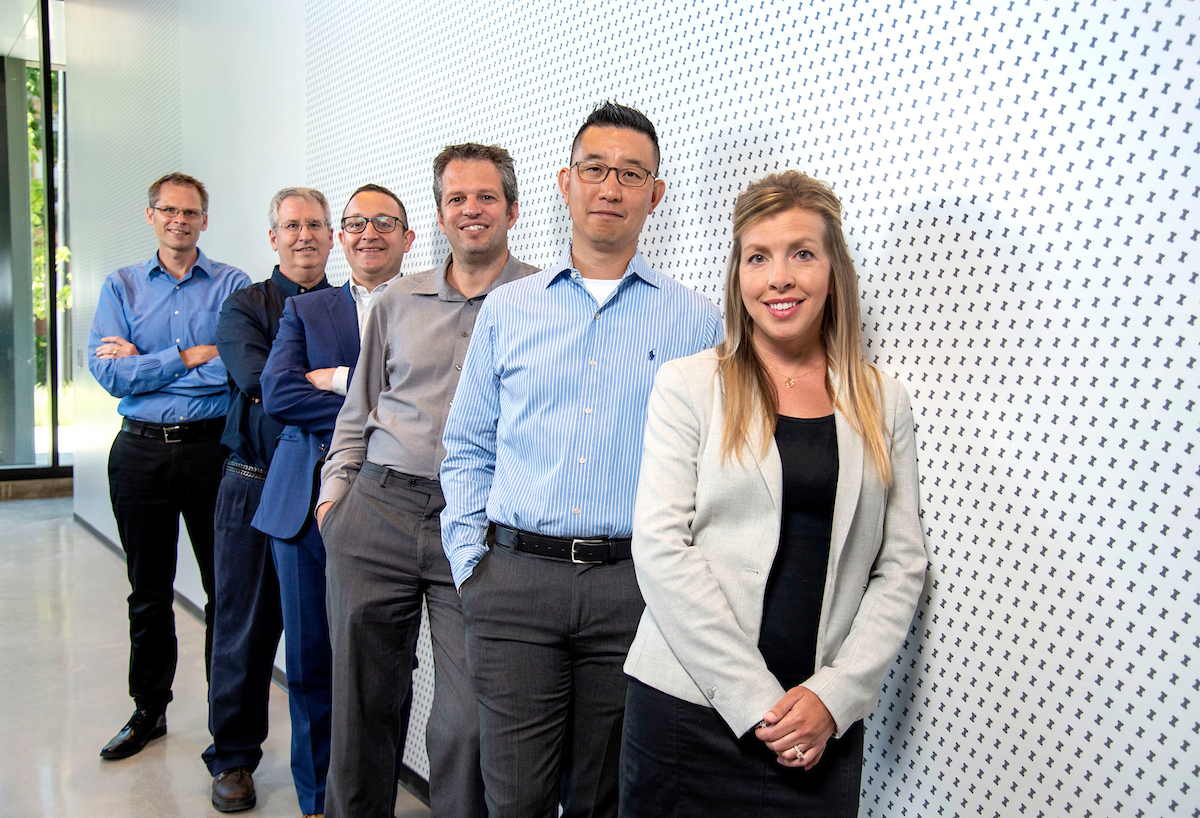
(652,355)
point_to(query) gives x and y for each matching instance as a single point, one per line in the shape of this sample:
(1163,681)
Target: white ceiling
(19,30)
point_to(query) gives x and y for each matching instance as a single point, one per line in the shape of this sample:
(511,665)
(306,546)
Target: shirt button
(587,411)
(177,340)
(583,460)
(590,363)
(574,511)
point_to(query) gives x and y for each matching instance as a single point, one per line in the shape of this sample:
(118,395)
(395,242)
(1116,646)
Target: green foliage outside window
(37,221)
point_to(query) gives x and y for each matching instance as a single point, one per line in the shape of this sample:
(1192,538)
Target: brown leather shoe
(142,728)
(233,790)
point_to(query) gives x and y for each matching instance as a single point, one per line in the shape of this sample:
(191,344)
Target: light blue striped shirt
(545,431)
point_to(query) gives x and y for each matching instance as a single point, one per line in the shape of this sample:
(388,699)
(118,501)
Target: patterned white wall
(1018,180)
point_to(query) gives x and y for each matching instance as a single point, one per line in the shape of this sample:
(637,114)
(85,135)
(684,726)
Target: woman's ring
(797,749)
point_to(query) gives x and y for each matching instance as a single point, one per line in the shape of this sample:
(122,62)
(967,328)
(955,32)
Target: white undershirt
(363,300)
(601,288)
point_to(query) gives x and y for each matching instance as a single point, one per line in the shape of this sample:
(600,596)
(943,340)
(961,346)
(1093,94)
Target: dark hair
(614,115)
(474,152)
(371,188)
(178,179)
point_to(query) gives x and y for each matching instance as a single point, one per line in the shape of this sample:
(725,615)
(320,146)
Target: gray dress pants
(384,553)
(546,643)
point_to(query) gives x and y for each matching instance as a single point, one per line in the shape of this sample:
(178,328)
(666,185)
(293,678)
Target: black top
(245,331)
(792,605)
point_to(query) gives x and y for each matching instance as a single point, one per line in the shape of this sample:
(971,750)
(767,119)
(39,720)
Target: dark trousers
(681,759)
(385,555)
(151,483)
(300,564)
(546,641)
(246,628)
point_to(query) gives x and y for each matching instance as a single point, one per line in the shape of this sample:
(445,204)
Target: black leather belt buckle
(174,434)
(587,543)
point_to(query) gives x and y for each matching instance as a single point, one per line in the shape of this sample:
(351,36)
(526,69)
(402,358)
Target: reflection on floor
(65,647)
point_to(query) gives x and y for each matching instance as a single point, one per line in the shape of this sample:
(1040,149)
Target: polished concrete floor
(65,647)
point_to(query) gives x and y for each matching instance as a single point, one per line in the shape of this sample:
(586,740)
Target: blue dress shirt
(545,430)
(146,306)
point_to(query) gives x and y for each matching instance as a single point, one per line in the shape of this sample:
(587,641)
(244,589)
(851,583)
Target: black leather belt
(576,549)
(179,433)
(245,470)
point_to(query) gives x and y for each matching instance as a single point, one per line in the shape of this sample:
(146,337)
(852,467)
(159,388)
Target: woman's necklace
(790,381)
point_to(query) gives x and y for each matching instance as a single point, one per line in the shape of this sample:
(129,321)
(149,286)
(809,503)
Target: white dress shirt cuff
(340,378)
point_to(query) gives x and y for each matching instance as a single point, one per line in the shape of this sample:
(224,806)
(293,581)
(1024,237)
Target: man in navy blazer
(304,384)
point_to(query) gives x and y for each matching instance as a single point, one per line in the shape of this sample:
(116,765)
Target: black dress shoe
(233,790)
(142,728)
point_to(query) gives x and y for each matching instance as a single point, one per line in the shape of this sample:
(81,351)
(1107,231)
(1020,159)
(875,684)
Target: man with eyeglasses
(153,345)
(248,619)
(380,503)
(304,383)
(543,443)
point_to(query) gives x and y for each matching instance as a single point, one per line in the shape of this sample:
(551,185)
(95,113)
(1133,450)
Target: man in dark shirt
(248,620)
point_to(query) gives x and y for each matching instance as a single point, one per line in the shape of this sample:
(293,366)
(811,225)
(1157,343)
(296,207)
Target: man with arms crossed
(153,345)
(545,441)
(304,382)
(248,621)
(380,504)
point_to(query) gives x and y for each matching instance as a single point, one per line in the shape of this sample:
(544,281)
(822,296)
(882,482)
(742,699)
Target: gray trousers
(546,643)
(384,553)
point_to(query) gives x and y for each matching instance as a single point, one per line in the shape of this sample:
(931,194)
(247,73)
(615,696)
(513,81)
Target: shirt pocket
(201,328)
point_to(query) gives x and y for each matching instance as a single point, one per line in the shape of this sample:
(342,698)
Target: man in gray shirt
(380,503)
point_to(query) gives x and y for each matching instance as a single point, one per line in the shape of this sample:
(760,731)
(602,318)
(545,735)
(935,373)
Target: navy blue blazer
(317,330)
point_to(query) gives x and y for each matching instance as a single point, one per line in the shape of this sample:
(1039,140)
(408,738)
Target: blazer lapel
(769,465)
(849,485)
(345,321)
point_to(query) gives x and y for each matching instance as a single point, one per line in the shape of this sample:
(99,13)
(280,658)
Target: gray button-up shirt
(413,346)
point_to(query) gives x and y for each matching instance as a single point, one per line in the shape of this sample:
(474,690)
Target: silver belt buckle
(169,433)
(585,541)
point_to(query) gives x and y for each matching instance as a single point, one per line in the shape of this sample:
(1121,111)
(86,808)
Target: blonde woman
(776,537)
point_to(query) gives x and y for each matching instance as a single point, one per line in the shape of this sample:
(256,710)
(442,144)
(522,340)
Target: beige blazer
(704,539)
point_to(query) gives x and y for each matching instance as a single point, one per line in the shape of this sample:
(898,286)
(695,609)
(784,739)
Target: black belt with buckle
(245,470)
(178,433)
(575,549)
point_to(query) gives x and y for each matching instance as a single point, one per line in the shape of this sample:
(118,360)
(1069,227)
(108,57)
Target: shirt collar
(437,285)
(637,267)
(363,295)
(202,264)
(291,288)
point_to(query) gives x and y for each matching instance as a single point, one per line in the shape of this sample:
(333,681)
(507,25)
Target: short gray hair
(474,152)
(311,194)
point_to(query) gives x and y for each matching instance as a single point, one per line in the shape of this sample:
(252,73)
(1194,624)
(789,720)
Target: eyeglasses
(384,224)
(313,226)
(596,172)
(172,212)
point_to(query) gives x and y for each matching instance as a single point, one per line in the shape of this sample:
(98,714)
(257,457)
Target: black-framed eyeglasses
(628,175)
(313,226)
(384,224)
(172,212)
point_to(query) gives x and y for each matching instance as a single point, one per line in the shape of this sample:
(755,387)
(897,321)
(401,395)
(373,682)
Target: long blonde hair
(749,392)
